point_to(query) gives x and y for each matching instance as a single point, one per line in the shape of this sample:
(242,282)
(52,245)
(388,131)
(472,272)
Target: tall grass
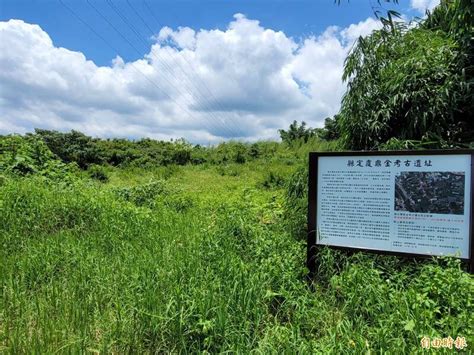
(90,267)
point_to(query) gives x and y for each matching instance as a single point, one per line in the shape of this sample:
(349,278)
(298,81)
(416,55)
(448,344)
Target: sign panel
(410,202)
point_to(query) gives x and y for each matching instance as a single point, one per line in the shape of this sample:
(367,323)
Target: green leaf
(410,325)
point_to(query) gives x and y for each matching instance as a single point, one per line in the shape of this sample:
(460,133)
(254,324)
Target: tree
(411,83)
(72,147)
(331,129)
(296,132)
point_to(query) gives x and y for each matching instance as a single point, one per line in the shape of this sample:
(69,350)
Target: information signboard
(412,203)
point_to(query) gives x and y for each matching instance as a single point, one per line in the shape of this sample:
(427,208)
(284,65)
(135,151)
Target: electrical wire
(191,65)
(74,13)
(166,68)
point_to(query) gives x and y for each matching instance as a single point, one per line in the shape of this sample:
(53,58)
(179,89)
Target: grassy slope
(202,263)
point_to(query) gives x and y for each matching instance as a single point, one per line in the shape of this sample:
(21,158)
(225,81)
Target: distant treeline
(25,153)
(76,147)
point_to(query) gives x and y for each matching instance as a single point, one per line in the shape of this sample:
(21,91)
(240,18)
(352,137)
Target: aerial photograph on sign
(430,192)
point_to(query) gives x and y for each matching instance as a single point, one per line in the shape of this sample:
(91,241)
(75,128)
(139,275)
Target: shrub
(98,173)
(272,180)
(29,155)
(178,202)
(144,195)
(72,147)
(227,170)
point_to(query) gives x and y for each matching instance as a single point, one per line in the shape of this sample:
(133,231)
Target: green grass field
(188,259)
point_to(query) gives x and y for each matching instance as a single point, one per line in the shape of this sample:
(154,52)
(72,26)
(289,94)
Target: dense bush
(29,155)
(272,180)
(86,151)
(72,147)
(98,172)
(412,83)
(144,195)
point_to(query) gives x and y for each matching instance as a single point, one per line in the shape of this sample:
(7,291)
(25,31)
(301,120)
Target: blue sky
(203,70)
(297,18)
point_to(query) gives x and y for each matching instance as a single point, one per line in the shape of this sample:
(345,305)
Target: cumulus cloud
(363,28)
(184,37)
(423,5)
(243,82)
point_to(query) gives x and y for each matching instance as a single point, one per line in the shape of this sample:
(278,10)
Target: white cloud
(363,28)
(243,82)
(185,37)
(423,5)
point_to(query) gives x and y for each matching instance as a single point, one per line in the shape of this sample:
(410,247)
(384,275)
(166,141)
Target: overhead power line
(191,65)
(84,22)
(189,86)
(167,68)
